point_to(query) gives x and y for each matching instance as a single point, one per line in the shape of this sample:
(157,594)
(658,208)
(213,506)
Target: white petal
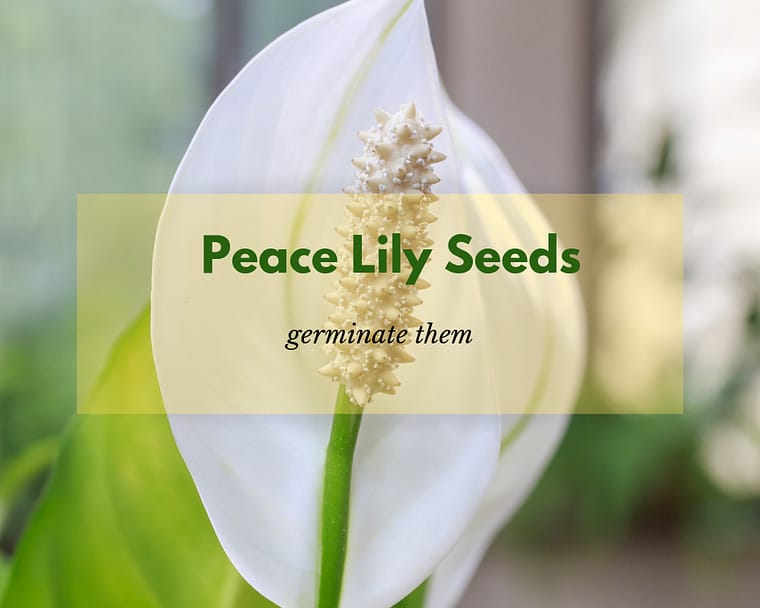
(288,123)
(517,472)
(529,440)
(408,507)
(260,479)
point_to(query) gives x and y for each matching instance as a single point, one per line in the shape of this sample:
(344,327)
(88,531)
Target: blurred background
(582,96)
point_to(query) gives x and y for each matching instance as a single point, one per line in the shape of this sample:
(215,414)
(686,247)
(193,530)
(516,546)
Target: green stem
(336,495)
(416,599)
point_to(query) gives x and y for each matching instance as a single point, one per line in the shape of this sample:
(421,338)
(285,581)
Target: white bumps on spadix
(391,195)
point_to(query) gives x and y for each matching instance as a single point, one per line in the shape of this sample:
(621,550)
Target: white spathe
(529,439)
(288,123)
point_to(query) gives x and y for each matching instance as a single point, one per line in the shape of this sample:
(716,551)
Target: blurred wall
(523,71)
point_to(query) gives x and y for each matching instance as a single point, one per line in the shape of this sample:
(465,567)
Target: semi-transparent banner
(266,304)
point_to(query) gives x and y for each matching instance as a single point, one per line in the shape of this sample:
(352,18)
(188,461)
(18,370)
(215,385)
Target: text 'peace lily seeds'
(388,255)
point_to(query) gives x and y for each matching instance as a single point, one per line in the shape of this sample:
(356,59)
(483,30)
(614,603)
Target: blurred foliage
(610,472)
(17,490)
(120,523)
(619,479)
(87,104)
(37,376)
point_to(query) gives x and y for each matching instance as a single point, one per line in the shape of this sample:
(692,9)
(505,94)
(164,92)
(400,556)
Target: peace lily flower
(349,510)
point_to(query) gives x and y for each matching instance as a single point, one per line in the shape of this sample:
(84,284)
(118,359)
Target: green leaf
(3,572)
(121,524)
(21,470)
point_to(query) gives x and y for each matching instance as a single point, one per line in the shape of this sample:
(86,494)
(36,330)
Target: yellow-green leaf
(121,524)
